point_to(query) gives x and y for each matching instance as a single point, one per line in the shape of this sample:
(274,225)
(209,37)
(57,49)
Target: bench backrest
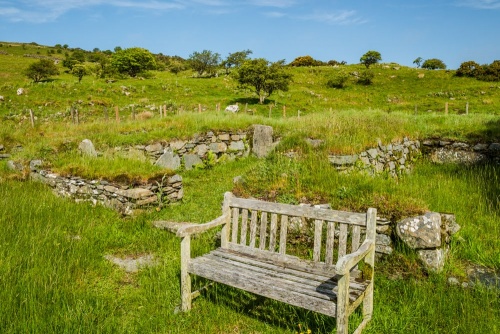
(264,225)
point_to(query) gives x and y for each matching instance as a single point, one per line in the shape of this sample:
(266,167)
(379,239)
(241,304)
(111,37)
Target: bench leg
(186,296)
(343,305)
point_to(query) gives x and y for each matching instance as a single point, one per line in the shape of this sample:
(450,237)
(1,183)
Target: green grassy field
(54,277)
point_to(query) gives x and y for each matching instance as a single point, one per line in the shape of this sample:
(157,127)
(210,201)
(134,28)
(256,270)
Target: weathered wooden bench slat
(354,218)
(253,257)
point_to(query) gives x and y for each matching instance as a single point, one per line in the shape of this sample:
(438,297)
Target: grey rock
(191,160)
(480,147)
(238,180)
(2,147)
(421,232)
(459,145)
(132,265)
(237,146)
(453,281)
(169,160)
(262,140)
(11,165)
(232,108)
(175,179)
(343,160)
(177,144)
(201,150)
(87,148)
(432,259)
(372,153)
(157,147)
(224,137)
(5,156)
(494,147)
(218,147)
(314,142)
(35,164)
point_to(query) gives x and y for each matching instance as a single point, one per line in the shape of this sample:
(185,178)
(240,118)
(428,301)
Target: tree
(265,77)
(418,61)
(235,59)
(205,61)
(370,58)
(79,70)
(469,69)
(41,70)
(133,61)
(434,64)
(176,66)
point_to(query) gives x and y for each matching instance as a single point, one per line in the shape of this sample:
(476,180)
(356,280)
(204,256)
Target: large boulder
(87,148)
(421,232)
(191,160)
(262,140)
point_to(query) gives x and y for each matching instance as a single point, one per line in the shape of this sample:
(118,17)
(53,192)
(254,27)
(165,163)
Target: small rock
(20,91)
(233,108)
(453,281)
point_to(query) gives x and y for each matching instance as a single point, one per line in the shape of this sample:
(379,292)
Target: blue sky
(453,31)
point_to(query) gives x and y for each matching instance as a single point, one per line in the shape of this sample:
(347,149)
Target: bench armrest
(190,229)
(346,262)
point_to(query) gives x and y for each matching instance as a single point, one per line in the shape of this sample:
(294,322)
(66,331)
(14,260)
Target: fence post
(446,108)
(72,110)
(32,118)
(284,111)
(133,113)
(270,109)
(164,110)
(467,108)
(77,119)
(117,114)
(199,108)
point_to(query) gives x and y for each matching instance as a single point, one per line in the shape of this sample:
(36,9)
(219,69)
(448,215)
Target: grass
(53,275)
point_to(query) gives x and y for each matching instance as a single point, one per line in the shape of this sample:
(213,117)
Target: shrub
(469,69)
(434,64)
(366,78)
(339,80)
(41,70)
(306,61)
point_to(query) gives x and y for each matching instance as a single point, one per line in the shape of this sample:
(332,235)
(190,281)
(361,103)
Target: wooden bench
(253,257)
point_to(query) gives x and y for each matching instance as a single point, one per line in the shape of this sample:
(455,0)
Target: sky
(451,30)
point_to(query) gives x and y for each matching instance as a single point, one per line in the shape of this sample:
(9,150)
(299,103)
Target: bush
(306,61)
(434,64)
(366,78)
(339,80)
(41,70)
(469,69)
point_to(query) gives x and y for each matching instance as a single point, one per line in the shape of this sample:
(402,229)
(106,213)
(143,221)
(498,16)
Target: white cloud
(39,11)
(480,4)
(337,17)
(273,3)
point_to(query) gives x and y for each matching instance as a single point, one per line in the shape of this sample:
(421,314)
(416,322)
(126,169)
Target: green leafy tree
(434,64)
(133,61)
(235,59)
(264,77)
(469,69)
(79,71)
(176,66)
(418,61)
(491,72)
(205,61)
(370,58)
(41,70)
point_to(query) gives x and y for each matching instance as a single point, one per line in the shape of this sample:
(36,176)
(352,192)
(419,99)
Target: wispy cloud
(480,4)
(340,17)
(40,11)
(273,3)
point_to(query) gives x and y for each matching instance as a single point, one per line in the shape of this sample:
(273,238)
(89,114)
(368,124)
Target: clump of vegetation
(41,70)
(434,64)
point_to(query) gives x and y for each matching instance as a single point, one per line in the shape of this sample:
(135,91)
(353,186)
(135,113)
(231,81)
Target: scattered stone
(177,144)
(383,244)
(87,148)
(4,156)
(233,108)
(315,142)
(485,276)
(453,281)
(343,160)
(432,259)
(35,164)
(480,147)
(131,264)
(494,147)
(20,91)
(238,180)
(14,166)
(157,147)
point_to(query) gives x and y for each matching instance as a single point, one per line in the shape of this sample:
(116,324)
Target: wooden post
(32,118)
(199,108)
(164,110)
(284,111)
(160,111)
(72,110)
(77,118)
(185,277)
(270,109)
(117,114)
(446,108)
(133,112)
(467,108)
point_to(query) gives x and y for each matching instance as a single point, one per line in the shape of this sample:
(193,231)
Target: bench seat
(282,279)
